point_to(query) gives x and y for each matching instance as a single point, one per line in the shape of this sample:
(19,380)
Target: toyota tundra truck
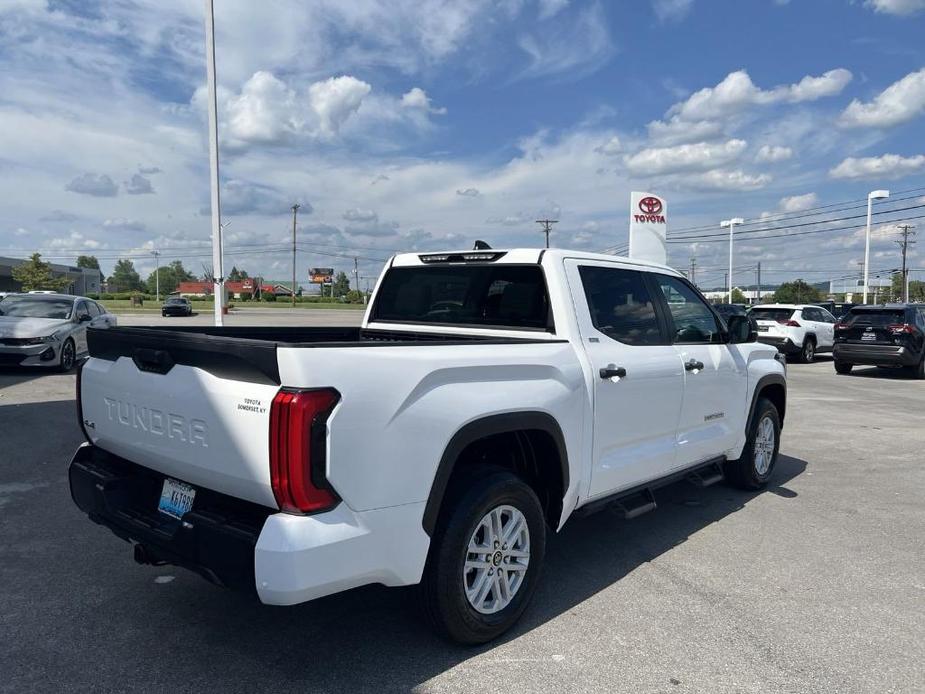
(487,397)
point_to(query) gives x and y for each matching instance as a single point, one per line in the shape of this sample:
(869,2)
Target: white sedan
(48,329)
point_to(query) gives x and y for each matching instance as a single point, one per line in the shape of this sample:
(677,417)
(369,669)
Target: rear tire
(808,352)
(754,467)
(917,371)
(843,367)
(455,576)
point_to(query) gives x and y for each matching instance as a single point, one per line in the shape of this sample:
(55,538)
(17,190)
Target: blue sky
(405,125)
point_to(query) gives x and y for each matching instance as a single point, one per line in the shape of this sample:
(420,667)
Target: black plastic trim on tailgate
(238,358)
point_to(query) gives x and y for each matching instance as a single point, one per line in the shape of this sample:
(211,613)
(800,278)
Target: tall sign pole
(218,275)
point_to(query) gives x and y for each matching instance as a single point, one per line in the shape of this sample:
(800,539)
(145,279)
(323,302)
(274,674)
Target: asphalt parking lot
(817,584)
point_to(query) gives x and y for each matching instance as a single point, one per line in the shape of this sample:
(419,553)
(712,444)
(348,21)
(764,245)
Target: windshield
(877,319)
(776,314)
(176,301)
(510,296)
(36,307)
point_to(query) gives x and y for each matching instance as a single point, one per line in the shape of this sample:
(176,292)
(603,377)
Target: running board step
(633,506)
(706,476)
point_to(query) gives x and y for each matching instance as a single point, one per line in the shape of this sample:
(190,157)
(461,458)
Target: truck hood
(16,326)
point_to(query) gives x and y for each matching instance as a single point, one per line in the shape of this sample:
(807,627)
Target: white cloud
(417,98)
(468,192)
(268,111)
(676,131)
(671,10)
(611,147)
(773,153)
(97,185)
(885,166)
(719,180)
(550,8)
(572,48)
(798,203)
(701,156)
(900,102)
(124,224)
(737,91)
(898,7)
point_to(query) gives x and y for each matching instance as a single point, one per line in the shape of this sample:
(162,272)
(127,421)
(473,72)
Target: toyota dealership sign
(648,227)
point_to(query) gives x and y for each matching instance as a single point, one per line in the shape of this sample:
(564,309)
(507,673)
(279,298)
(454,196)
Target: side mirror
(84,318)
(741,329)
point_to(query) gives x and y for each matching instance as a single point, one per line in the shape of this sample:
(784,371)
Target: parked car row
(885,335)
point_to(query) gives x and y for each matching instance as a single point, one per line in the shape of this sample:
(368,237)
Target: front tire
(843,368)
(754,467)
(68,356)
(486,556)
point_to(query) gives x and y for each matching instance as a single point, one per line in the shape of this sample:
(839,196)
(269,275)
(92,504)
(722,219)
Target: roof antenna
(481,246)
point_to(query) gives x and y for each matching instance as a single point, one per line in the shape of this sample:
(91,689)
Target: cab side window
(621,305)
(81,310)
(694,321)
(94,309)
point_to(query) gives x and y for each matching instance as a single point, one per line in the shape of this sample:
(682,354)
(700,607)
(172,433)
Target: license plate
(762,328)
(868,337)
(176,498)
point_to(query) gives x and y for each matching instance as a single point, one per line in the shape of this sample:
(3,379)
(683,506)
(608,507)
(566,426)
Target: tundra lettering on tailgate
(157,422)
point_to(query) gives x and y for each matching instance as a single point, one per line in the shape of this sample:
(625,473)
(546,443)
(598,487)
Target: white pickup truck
(487,397)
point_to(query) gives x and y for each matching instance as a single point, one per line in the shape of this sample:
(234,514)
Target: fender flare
(764,381)
(482,428)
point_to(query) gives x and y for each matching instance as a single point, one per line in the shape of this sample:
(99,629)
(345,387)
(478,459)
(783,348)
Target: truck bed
(249,353)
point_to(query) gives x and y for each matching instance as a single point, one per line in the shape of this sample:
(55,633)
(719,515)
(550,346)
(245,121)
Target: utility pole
(295,209)
(157,273)
(693,276)
(547,227)
(731,223)
(904,244)
(356,273)
(758,288)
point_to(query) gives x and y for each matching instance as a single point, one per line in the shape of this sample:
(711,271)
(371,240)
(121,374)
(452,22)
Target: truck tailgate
(192,407)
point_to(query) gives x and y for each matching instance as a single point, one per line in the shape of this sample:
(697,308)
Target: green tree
(170,277)
(738,297)
(88,261)
(236,275)
(124,277)
(341,284)
(797,292)
(36,274)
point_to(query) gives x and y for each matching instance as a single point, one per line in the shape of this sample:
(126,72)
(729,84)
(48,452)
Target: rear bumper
(286,559)
(875,355)
(783,344)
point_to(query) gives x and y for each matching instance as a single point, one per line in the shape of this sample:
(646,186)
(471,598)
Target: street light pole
(295,209)
(731,223)
(873,195)
(217,268)
(157,276)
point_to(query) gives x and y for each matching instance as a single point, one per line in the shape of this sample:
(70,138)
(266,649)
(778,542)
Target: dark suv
(177,306)
(888,335)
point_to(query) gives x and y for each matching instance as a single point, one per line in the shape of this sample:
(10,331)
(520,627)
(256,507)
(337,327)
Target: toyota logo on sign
(650,205)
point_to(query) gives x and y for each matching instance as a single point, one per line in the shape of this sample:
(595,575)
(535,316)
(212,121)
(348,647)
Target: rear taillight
(901,328)
(790,323)
(298,443)
(841,326)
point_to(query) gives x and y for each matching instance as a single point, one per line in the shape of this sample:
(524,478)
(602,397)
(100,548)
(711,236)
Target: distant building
(83,280)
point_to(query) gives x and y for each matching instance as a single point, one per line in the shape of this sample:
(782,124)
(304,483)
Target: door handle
(611,371)
(693,365)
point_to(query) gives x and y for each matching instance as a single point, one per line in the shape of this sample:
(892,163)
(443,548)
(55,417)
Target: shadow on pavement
(82,615)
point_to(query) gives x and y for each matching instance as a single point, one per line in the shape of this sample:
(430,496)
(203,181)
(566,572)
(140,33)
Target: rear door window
(621,305)
(498,296)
